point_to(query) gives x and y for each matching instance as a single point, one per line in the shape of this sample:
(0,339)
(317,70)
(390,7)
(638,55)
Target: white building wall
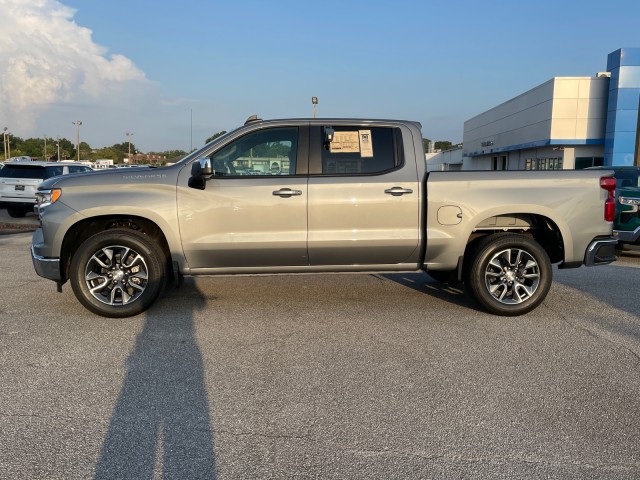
(525,118)
(447,160)
(550,121)
(579,108)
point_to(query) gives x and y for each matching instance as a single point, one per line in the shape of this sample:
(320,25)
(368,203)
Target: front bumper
(44,266)
(601,251)
(626,236)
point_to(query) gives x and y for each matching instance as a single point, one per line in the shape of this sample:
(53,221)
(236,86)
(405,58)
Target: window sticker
(353,142)
(366,145)
(345,142)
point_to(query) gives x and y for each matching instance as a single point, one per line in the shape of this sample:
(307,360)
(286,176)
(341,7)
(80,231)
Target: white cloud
(48,63)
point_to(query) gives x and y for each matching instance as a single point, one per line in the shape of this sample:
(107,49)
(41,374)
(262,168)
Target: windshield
(627,178)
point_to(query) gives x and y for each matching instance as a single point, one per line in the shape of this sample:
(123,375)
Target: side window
(361,150)
(54,171)
(266,152)
(77,169)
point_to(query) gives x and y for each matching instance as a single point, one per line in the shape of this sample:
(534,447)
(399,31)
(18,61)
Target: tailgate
(19,189)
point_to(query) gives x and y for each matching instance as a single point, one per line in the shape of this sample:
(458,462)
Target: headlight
(629,201)
(44,198)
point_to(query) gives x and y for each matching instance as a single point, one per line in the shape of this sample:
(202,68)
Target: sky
(174,73)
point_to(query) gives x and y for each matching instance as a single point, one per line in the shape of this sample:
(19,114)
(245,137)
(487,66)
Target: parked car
(626,225)
(19,182)
(349,196)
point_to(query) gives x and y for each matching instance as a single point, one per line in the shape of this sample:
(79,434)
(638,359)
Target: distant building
(565,123)
(445,160)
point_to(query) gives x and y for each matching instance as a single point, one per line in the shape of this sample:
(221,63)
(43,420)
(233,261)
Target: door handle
(287,192)
(397,191)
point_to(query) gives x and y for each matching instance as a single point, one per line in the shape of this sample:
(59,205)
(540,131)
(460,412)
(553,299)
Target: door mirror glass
(199,170)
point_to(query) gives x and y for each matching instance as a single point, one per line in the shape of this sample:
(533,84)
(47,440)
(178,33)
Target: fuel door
(449,215)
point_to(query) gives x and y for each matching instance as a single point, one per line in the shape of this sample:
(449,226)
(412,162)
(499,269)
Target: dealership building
(565,123)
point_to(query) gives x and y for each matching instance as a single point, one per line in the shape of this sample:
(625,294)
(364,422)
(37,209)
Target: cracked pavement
(327,376)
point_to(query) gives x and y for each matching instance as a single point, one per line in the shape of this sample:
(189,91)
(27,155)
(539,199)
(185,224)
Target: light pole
(4,138)
(314,100)
(77,124)
(129,138)
(58,145)
(45,147)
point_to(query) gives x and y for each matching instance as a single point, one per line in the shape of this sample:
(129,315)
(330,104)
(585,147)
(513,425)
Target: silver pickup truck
(325,195)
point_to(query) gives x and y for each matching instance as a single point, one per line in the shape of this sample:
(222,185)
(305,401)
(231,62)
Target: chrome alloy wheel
(512,276)
(116,275)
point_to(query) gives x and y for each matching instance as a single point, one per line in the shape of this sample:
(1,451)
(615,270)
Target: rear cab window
(356,150)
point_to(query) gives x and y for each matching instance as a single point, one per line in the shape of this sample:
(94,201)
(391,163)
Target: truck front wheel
(118,273)
(508,274)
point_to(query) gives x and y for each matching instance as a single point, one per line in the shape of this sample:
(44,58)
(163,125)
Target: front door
(253,211)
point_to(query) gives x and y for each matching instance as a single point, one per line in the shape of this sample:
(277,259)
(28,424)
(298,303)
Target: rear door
(253,211)
(363,196)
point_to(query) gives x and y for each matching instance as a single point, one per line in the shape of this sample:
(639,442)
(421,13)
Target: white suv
(19,182)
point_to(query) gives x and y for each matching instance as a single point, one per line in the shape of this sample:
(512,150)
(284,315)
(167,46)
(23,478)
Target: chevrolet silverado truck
(319,195)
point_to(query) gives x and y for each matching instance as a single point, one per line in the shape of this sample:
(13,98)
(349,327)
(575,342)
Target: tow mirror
(199,170)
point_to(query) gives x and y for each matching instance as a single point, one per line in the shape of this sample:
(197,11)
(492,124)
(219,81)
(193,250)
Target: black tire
(17,212)
(444,276)
(129,267)
(508,274)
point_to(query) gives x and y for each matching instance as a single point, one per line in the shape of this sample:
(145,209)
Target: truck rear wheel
(508,274)
(118,273)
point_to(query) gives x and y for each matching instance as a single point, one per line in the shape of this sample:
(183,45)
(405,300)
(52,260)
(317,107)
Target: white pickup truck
(319,195)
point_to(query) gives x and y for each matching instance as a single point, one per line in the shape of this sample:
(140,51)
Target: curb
(11,228)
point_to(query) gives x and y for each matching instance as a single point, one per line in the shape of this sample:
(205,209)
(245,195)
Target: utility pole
(45,147)
(77,124)
(4,139)
(129,138)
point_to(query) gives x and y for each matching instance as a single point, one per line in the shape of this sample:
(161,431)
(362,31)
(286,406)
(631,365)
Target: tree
(443,145)
(66,149)
(108,153)
(425,144)
(215,135)
(171,155)
(85,151)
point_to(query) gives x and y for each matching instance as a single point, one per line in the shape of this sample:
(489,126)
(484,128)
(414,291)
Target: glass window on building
(554,163)
(586,162)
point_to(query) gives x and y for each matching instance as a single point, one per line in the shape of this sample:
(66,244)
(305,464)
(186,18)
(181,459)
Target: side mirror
(199,170)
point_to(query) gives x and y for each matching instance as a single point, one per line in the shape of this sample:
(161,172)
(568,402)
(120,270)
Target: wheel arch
(82,230)
(541,228)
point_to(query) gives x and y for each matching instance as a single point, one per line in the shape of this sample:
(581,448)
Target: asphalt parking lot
(328,376)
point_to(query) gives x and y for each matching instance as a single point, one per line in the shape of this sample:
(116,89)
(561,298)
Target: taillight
(609,184)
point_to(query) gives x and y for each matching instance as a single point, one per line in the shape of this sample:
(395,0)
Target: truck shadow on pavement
(421,282)
(161,425)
